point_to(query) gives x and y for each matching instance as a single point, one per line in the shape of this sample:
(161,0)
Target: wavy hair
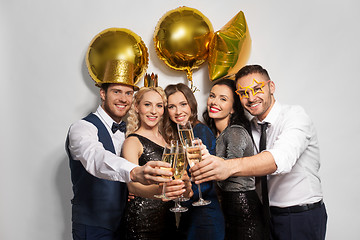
(236,118)
(133,122)
(170,129)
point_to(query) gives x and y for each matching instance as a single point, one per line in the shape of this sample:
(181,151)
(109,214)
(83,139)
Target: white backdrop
(310,49)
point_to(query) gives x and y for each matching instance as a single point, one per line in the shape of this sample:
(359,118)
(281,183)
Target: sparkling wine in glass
(168,156)
(180,167)
(193,153)
(185,131)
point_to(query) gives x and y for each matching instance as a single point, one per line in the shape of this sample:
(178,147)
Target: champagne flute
(185,132)
(180,167)
(168,156)
(193,153)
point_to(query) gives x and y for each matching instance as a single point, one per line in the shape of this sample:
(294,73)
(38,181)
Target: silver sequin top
(235,142)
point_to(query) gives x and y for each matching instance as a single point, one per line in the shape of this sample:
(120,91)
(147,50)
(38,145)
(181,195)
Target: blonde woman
(145,217)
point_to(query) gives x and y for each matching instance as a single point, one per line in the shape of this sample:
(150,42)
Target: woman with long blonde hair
(146,217)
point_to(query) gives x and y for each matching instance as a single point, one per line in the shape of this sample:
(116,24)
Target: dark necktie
(264,186)
(121,127)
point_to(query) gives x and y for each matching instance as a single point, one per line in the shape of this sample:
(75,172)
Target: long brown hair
(170,129)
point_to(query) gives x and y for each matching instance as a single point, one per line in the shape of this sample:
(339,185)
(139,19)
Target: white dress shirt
(292,141)
(84,146)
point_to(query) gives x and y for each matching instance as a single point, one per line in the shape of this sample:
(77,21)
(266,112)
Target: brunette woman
(205,222)
(240,203)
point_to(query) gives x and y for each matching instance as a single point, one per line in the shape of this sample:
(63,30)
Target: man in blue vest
(98,173)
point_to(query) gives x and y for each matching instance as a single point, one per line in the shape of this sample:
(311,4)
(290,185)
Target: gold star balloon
(229,48)
(112,47)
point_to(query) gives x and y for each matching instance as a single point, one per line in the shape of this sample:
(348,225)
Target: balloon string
(189,77)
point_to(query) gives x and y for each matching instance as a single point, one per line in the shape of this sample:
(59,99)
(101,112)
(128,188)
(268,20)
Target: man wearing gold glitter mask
(98,173)
(290,160)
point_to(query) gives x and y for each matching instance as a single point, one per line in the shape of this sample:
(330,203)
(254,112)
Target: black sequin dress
(149,218)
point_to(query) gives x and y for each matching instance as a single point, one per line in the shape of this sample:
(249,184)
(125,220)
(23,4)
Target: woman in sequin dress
(146,217)
(240,203)
(205,222)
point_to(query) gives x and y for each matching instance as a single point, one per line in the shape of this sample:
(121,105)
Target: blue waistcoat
(97,202)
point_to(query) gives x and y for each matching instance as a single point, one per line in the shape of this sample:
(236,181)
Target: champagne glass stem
(178,207)
(162,195)
(163,192)
(177,203)
(201,202)
(182,198)
(200,194)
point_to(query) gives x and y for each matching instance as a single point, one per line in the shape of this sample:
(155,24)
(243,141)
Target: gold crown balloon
(151,80)
(182,38)
(229,48)
(118,52)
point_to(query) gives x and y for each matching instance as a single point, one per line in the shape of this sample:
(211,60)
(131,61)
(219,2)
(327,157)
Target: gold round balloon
(116,44)
(182,38)
(229,48)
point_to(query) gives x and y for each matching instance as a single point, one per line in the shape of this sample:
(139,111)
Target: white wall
(309,47)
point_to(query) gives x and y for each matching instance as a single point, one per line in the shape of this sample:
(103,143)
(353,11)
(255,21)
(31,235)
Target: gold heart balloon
(116,44)
(229,48)
(182,38)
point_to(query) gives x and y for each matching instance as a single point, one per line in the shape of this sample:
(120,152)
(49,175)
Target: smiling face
(150,109)
(178,108)
(258,105)
(116,100)
(220,102)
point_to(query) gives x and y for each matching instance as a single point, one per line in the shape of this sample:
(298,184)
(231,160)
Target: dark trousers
(307,225)
(85,232)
